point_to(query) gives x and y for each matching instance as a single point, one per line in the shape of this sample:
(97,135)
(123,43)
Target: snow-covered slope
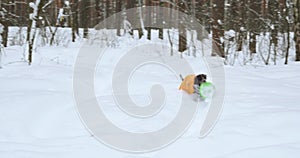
(38,118)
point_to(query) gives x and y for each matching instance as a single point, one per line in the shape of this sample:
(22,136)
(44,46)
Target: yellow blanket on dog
(188,84)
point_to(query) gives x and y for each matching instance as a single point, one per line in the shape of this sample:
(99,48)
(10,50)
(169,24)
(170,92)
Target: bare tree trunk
(149,20)
(275,43)
(85,19)
(99,9)
(28,35)
(297,28)
(269,54)
(141,28)
(53,36)
(217,30)
(118,10)
(109,12)
(32,28)
(160,29)
(252,21)
(3,21)
(5,32)
(75,30)
(171,42)
(264,7)
(182,29)
(288,14)
(182,38)
(252,45)
(288,47)
(274,16)
(240,34)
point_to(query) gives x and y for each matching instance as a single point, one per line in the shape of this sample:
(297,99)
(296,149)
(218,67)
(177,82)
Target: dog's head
(200,79)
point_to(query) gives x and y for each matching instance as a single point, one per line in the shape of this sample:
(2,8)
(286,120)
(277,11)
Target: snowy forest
(149,78)
(248,31)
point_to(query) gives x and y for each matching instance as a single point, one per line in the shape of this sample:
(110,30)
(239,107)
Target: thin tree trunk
(287,13)
(182,29)
(297,28)
(160,29)
(253,20)
(142,25)
(252,44)
(4,33)
(53,36)
(288,47)
(149,20)
(85,18)
(217,30)
(118,10)
(275,43)
(75,30)
(240,36)
(171,42)
(29,26)
(32,28)
(182,38)
(269,54)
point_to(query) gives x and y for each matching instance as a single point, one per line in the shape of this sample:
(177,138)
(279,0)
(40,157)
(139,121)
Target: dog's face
(200,79)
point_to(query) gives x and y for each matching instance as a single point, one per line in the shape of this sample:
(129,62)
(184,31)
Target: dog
(199,79)
(191,83)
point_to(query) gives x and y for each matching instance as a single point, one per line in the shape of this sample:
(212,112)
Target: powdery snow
(38,116)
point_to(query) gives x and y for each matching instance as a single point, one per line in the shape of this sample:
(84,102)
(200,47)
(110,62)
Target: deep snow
(38,117)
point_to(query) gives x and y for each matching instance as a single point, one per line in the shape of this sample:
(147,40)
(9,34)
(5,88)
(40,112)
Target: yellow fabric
(188,84)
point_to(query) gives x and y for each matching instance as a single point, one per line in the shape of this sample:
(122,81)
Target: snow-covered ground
(38,117)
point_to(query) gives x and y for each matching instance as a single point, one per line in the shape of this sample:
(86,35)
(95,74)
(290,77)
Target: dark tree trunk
(31,38)
(29,10)
(182,38)
(4,33)
(297,28)
(286,10)
(139,18)
(75,30)
(140,31)
(264,8)
(182,29)
(85,18)
(288,47)
(275,43)
(148,20)
(283,12)
(129,5)
(217,28)
(161,33)
(253,21)
(160,29)
(241,23)
(118,20)
(252,45)
(274,16)
(107,8)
